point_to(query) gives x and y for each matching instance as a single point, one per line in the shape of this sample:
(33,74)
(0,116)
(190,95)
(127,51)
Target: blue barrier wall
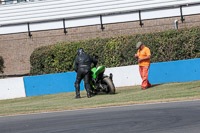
(50,84)
(175,71)
(164,72)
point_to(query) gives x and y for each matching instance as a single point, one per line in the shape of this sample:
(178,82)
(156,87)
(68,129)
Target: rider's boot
(77,93)
(87,87)
(88,93)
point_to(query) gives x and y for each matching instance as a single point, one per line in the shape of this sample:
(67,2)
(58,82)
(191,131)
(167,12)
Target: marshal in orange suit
(143,56)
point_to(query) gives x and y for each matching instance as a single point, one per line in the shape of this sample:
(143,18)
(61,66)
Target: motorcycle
(101,82)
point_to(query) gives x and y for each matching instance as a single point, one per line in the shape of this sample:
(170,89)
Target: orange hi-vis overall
(144,66)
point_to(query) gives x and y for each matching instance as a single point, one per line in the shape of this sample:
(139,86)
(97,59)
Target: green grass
(123,96)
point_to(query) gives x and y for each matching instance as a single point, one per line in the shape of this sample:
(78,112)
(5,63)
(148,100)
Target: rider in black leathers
(82,66)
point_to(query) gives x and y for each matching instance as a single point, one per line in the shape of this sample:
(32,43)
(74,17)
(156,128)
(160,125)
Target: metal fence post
(181,11)
(141,24)
(29,32)
(101,21)
(65,31)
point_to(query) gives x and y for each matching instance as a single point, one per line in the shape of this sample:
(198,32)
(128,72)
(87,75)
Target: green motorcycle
(101,82)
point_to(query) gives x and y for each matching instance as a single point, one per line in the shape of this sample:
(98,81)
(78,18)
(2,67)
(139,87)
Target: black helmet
(80,51)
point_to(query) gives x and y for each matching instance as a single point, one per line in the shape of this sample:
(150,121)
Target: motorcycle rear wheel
(110,85)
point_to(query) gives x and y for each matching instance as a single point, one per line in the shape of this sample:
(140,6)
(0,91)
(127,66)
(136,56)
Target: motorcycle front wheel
(110,88)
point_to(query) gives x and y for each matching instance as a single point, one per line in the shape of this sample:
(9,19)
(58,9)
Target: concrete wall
(12,88)
(50,84)
(175,71)
(125,76)
(164,72)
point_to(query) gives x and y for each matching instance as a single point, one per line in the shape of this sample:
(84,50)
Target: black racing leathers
(83,68)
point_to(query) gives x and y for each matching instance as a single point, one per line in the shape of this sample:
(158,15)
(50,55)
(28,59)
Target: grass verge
(123,96)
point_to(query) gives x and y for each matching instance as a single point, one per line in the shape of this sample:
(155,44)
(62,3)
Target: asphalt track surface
(173,117)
